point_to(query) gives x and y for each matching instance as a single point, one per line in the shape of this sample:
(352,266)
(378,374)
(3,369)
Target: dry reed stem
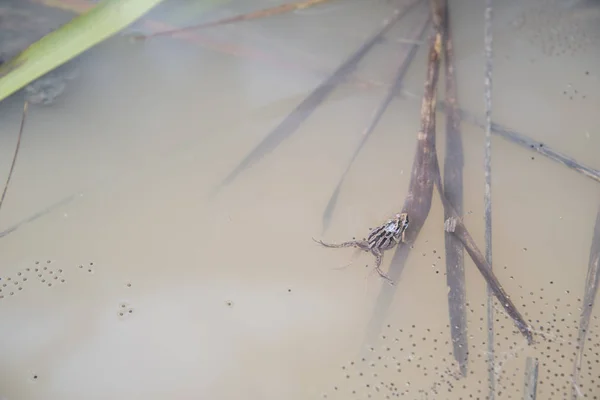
(456,226)
(420,189)
(453,190)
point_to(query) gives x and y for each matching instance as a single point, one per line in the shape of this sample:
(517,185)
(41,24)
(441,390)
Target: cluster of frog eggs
(416,362)
(42,272)
(47,274)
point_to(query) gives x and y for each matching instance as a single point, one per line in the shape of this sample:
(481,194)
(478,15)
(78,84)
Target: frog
(380,239)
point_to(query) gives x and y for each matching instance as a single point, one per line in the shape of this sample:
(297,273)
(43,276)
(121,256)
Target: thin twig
(488,189)
(284,8)
(14,160)
(453,189)
(420,189)
(378,112)
(531,378)
(592,281)
(291,123)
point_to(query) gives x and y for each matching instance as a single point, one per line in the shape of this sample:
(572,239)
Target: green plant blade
(70,40)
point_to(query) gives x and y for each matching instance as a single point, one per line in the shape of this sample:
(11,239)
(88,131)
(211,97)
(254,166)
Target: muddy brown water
(141,285)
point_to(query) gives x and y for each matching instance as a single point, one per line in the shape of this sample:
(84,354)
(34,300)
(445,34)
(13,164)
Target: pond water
(128,276)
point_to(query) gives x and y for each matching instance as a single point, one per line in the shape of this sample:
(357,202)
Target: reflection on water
(144,286)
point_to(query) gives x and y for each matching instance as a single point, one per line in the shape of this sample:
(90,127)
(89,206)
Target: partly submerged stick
(291,123)
(592,282)
(453,190)
(16,153)
(268,12)
(420,189)
(487,197)
(397,83)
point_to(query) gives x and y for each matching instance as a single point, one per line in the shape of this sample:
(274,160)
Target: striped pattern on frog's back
(388,235)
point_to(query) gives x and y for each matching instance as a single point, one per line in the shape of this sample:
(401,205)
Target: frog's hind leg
(361,244)
(378,258)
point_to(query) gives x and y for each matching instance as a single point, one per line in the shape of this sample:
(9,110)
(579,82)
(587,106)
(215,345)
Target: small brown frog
(380,239)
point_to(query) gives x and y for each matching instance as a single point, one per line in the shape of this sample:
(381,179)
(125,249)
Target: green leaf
(70,40)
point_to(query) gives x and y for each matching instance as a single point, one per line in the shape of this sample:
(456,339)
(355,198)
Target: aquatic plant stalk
(70,40)
(290,124)
(487,198)
(453,190)
(377,114)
